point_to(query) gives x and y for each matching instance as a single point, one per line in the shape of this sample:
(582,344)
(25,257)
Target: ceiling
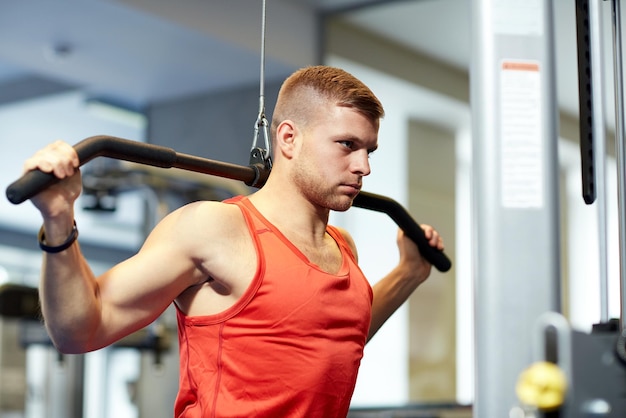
(442,30)
(143,51)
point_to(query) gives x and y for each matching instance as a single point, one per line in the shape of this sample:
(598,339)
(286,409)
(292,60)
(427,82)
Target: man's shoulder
(213,212)
(208,218)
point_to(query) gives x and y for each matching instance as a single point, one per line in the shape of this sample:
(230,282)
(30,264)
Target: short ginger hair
(323,85)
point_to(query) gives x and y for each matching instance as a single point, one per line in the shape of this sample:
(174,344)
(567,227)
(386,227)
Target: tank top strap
(341,241)
(254,222)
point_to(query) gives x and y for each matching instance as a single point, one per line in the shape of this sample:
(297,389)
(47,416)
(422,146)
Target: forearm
(390,293)
(68,294)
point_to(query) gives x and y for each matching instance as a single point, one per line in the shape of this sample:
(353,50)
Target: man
(273,311)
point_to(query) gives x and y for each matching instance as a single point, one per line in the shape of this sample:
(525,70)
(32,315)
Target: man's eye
(347,144)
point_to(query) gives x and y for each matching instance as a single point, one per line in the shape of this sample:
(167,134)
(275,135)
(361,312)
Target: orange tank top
(290,347)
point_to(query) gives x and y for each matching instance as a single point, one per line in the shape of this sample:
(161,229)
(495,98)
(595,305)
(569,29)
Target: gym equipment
(594,363)
(254,175)
(19,301)
(515,191)
(566,373)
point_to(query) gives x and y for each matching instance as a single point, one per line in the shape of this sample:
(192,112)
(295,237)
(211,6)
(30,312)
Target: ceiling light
(116,113)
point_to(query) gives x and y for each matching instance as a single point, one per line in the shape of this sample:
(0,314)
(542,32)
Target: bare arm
(396,287)
(82,312)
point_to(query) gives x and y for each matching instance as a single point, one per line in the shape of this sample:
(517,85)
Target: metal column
(515,191)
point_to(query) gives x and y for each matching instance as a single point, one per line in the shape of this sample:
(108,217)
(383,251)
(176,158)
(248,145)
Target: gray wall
(218,126)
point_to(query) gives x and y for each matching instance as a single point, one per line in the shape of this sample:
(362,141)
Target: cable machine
(529,361)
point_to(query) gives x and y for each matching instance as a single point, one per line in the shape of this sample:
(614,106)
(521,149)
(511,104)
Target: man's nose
(361,163)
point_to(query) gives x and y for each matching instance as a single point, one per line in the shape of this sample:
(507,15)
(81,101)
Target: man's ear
(286,138)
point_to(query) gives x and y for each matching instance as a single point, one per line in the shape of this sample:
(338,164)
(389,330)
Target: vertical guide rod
(619,149)
(592,129)
(599,145)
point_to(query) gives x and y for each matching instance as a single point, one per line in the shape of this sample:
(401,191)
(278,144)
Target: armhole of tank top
(341,241)
(253,287)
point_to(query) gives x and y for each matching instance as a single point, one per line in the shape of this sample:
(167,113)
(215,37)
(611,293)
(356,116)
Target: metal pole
(619,149)
(515,191)
(599,144)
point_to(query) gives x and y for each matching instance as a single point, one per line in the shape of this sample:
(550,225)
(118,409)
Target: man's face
(333,157)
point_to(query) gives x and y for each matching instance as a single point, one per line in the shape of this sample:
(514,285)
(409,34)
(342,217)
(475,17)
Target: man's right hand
(60,159)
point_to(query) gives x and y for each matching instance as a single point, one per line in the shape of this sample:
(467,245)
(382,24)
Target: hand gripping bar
(254,175)
(403,219)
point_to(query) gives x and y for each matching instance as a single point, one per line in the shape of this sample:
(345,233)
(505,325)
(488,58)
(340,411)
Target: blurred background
(186,75)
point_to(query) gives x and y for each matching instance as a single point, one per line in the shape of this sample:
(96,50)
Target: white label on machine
(521,135)
(518,17)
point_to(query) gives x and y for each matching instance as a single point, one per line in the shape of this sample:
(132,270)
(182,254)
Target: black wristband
(68,242)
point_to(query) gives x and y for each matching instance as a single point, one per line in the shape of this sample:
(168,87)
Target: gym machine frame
(591,375)
(593,364)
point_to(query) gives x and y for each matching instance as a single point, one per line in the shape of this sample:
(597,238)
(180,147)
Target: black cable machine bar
(254,175)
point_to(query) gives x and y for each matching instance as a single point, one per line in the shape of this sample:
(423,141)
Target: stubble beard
(314,188)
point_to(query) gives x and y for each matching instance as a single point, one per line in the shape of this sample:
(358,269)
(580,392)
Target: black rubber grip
(29,185)
(404,220)
(35,181)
